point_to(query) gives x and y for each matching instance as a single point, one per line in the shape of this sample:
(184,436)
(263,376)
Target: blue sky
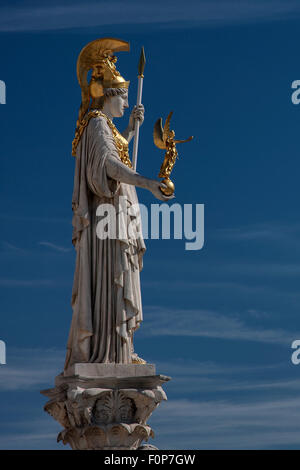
(221,320)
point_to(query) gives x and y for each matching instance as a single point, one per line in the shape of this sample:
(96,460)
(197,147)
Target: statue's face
(116,105)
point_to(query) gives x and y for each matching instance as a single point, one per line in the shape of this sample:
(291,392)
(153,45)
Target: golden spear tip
(142,63)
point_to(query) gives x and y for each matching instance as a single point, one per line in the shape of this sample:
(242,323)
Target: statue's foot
(136,359)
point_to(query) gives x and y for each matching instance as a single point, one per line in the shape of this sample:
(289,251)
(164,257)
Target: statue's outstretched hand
(155,190)
(137,113)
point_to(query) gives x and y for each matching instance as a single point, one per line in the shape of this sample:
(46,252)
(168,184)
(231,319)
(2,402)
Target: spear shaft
(138,102)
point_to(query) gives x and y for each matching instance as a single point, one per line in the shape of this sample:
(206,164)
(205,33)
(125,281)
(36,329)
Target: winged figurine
(164,139)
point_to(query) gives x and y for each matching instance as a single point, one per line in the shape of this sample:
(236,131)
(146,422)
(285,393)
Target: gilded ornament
(164,139)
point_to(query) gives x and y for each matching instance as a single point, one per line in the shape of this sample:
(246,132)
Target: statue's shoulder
(97,119)
(94,115)
(93,121)
(96,124)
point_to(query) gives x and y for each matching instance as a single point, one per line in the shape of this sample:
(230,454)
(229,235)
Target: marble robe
(106,295)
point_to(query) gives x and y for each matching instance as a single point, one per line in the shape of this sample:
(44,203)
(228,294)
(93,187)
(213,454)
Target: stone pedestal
(105,406)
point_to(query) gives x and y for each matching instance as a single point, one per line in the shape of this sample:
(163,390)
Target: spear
(138,102)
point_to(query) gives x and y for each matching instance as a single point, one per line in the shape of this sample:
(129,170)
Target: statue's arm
(103,149)
(118,171)
(128,133)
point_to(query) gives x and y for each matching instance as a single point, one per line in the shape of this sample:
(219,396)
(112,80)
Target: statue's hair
(108,92)
(114,91)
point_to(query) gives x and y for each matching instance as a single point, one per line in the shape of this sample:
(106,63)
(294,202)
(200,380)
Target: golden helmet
(98,56)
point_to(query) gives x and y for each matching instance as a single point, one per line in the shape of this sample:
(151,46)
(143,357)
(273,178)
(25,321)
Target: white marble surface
(110,370)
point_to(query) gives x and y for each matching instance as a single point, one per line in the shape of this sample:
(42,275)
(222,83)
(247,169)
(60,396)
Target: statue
(106,393)
(106,296)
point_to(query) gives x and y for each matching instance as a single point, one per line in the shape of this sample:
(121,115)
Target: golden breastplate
(120,141)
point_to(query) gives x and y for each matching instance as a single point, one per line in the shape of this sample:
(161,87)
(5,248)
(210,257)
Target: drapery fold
(106,295)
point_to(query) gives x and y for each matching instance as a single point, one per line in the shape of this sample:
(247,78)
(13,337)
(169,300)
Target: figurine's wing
(158,134)
(166,131)
(182,141)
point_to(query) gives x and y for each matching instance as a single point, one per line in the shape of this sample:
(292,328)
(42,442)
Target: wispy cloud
(267,424)
(183,285)
(210,324)
(30,218)
(195,378)
(28,282)
(261,269)
(38,432)
(260,232)
(199,421)
(7,247)
(30,368)
(10,248)
(58,15)
(55,247)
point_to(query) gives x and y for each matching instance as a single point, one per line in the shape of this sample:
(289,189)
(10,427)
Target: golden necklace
(120,142)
